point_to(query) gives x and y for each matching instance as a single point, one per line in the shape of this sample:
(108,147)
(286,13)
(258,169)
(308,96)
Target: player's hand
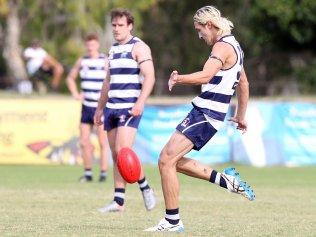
(137,109)
(78,96)
(173,79)
(241,124)
(97,119)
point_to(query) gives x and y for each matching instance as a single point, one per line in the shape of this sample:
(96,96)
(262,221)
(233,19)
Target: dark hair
(35,43)
(92,37)
(122,12)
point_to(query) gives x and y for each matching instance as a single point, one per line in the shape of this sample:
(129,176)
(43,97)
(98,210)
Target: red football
(128,165)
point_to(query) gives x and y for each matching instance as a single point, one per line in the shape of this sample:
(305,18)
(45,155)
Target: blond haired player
(223,72)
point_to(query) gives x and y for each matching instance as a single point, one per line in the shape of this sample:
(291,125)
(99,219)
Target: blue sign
(278,134)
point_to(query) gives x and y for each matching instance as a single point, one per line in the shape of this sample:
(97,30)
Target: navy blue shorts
(197,128)
(87,114)
(114,118)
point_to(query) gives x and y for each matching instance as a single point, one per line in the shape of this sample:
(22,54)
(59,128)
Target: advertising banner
(45,131)
(278,134)
(39,131)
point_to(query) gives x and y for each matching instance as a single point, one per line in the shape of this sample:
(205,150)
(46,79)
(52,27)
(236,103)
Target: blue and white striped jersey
(215,97)
(125,78)
(92,73)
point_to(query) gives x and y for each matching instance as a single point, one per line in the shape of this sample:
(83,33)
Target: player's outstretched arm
(142,54)
(71,81)
(215,62)
(242,91)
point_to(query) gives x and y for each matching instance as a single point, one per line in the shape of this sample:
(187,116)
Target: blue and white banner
(278,134)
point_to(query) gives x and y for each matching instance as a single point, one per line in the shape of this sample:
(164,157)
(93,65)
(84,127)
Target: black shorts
(114,118)
(87,114)
(197,128)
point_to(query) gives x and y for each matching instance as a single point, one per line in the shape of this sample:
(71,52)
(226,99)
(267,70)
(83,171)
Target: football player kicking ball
(223,72)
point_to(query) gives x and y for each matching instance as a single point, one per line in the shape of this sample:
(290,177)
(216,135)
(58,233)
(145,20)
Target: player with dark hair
(131,78)
(39,64)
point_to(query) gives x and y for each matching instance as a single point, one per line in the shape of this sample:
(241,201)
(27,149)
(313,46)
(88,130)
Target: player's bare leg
(175,149)
(117,140)
(124,138)
(229,179)
(103,143)
(56,67)
(87,151)
(121,141)
(117,205)
(193,168)
(172,160)
(118,180)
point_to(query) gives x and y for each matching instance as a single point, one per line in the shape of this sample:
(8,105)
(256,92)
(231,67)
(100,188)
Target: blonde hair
(210,13)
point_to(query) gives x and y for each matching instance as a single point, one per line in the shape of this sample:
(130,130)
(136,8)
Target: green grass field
(48,201)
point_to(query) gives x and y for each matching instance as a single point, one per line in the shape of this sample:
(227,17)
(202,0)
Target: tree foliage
(62,24)
(277,36)
(291,18)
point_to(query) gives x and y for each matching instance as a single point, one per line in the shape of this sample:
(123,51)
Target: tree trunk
(11,48)
(107,36)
